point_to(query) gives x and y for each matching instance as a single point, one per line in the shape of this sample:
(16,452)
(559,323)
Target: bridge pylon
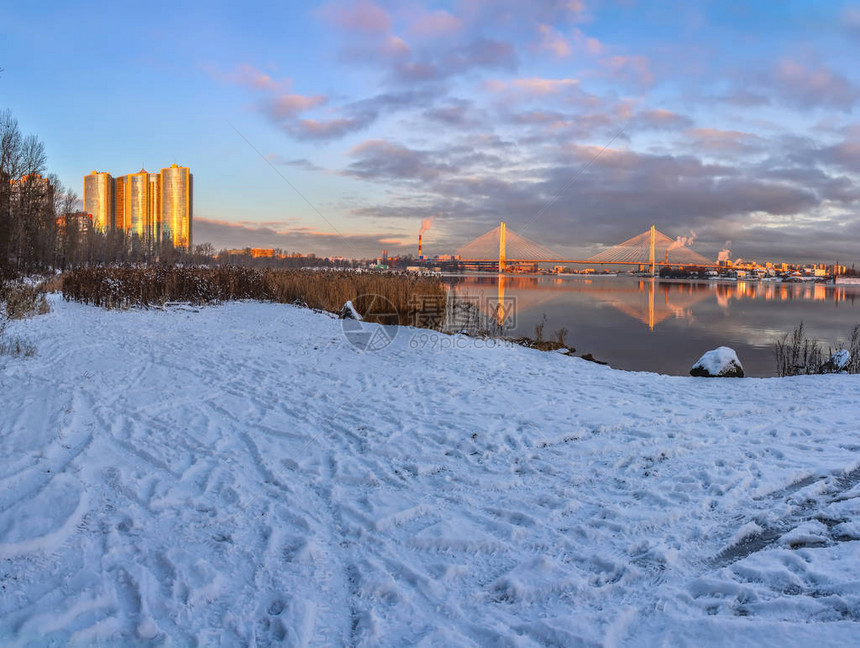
(502,246)
(652,245)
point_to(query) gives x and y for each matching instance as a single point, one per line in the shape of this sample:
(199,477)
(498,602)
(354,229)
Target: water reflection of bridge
(649,301)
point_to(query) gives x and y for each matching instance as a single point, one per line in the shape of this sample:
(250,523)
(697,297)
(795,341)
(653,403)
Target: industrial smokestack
(420,256)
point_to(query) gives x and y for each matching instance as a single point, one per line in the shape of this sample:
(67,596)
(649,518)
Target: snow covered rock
(721,362)
(838,362)
(348,312)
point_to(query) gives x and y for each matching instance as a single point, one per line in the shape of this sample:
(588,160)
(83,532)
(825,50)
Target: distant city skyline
(734,125)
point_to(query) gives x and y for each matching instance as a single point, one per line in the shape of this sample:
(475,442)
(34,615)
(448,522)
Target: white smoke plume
(724,253)
(426,223)
(683,241)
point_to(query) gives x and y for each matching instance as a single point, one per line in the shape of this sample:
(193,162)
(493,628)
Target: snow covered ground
(242,475)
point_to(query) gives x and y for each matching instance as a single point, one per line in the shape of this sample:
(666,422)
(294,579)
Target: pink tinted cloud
(541,86)
(434,24)
(660,119)
(587,43)
(360,16)
(630,69)
(551,40)
(247,75)
(851,20)
(806,85)
(728,141)
(287,105)
(534,86)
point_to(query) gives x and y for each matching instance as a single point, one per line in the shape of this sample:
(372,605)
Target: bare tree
(10,164)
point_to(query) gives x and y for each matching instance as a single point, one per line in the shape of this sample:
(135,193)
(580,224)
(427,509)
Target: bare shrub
(16,347)
(539,329)
(52,284)
(23,300)
(13,346)
(853,347)
(798,354)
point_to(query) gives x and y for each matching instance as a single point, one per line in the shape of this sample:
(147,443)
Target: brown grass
(23,300)
(154,286)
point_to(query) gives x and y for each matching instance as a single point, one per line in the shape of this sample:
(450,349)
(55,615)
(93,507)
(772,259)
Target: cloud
(358,115)
(517,12)
(851,20)
(711,140)
(595,118)
(285,106)
(552,41)
(633,70)
(456,112)
(845,154)
(445,47)
(793,84)
(289,110)
(481,53)
(472,119)
(587,44)
(326,129)
(434,24)
(361,16)
(807,86)
(247,75)
(658,119)
(299,163)
(584,193)
(533,85)
(384,160)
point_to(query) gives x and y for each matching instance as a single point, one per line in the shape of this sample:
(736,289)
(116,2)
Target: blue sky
(735,121)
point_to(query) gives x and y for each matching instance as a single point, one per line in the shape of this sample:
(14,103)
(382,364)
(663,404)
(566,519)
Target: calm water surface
(664,326)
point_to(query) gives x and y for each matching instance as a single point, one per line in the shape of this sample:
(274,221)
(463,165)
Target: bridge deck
(509,261)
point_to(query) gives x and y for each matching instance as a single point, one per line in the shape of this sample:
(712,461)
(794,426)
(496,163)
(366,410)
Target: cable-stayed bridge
(650,248)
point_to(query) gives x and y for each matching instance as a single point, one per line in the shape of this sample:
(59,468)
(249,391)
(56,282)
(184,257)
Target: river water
(644,324)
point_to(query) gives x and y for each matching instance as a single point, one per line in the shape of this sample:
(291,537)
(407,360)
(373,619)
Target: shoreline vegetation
(327,290)
(409,299)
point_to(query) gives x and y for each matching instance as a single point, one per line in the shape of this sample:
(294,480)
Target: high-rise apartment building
(152,207)
(137,210)
(176,205)
(99,195)
(154,218)
(119,203)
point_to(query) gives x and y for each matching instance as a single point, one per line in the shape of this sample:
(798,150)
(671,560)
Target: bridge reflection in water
(650,301)
(659,325)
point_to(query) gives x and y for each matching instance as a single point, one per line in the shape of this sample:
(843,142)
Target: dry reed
(155,286)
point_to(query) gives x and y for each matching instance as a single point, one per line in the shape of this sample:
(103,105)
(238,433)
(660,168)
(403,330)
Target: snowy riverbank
(242,474)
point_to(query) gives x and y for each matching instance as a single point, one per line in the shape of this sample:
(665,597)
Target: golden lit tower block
(153,219)
(154,207)
(137,209)
(99,199)
(177,205)
(119,203)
